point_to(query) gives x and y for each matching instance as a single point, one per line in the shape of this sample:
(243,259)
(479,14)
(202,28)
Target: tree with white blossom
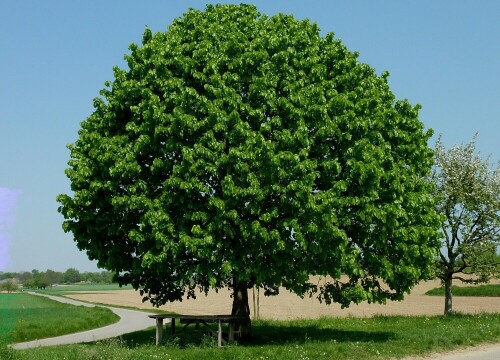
(467,190)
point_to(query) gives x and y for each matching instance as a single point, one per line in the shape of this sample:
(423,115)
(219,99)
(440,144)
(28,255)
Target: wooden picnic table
(197,320)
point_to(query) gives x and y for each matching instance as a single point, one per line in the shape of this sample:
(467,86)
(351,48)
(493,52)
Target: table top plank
(206,318)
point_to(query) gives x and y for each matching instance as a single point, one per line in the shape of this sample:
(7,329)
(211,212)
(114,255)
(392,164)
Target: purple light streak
(8,201)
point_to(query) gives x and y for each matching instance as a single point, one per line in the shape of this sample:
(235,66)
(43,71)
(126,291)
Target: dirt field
(290,306)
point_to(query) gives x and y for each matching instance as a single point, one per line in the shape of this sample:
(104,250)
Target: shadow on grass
(270,333)
(263,333)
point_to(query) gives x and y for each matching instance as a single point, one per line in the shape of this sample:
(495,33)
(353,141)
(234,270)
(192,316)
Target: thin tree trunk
(258,303)
(254,306)
(448,297)
(241,308)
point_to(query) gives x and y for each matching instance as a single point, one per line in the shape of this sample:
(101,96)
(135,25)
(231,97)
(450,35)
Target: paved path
(481,352)
(486,353)
(130,321)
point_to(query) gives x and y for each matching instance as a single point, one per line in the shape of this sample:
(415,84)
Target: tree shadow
(263,333)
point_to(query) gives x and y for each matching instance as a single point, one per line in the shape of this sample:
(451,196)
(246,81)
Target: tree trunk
(448,299)
(241,308)
(256,303)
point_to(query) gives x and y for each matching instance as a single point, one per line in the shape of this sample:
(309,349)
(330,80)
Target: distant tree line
(42,279)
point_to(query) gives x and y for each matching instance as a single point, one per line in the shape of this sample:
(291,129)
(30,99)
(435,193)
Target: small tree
(8,286)
(29,284)
(241,150)
(41,281)
(467,190)
(53,277)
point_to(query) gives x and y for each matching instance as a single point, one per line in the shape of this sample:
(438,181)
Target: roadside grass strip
(68,289)
(25,317)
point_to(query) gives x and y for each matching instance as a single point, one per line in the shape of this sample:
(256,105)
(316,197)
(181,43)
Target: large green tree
(241,150)
(468,193)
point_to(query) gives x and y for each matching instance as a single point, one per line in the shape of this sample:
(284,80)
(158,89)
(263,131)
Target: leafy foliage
(244,149)
(50,277)
(8,286)
(468,194)
(71,276)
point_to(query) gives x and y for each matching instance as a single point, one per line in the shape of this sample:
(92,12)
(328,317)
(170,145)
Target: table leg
(219,338)
(230,335)
(159,331)
(172,325)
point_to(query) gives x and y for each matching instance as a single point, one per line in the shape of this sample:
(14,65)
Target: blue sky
(56,56)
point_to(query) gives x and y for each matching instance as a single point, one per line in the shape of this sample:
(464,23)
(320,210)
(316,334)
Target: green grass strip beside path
(68,289)
(25,317)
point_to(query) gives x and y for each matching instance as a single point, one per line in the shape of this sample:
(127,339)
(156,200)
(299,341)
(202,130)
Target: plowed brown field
(289,306)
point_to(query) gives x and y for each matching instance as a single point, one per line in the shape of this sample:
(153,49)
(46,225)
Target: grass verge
(25,317)
(68,289)
(481,290)
(380,337)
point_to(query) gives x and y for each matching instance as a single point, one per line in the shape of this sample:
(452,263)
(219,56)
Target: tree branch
(446,235)
(443,258)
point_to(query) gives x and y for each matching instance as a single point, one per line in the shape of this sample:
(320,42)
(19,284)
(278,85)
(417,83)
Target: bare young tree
(467,189)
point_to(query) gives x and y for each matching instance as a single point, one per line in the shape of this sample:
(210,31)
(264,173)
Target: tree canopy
(242,150)
(8,286)
(468,192)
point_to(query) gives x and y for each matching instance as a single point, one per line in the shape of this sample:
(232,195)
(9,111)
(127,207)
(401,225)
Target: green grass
(481,290)
(63,290)
(25,317)
(327,338)
(9,305)
(68,289)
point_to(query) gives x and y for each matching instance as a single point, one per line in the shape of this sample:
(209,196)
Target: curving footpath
(130,321)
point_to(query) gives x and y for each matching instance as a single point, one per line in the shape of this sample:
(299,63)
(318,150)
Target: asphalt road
(130,321)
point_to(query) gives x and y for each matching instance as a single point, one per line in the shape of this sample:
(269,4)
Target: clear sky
(56,56)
